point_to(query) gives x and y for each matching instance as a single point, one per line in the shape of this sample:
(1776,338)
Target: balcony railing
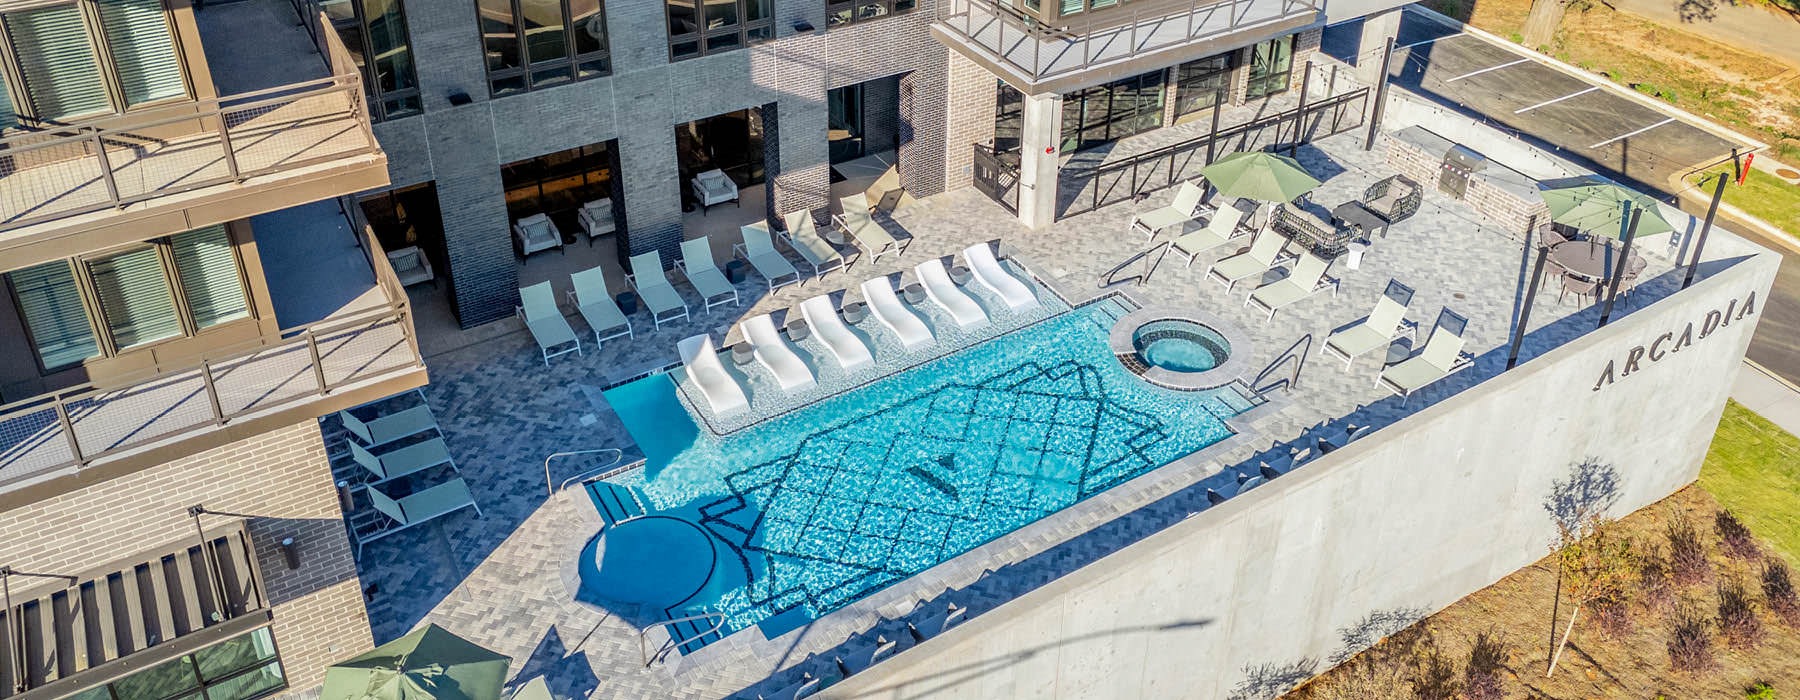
(74,428)
(64,171)
(1040,52)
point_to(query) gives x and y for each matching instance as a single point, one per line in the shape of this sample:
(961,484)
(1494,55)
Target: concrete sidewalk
(1769,396)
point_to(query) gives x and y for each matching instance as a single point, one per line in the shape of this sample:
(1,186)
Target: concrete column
(1039,150)
(1376,30)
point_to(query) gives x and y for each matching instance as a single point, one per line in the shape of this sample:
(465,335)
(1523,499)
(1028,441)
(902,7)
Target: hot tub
(1180,348)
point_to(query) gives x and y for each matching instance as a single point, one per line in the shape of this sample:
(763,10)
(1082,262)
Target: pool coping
(1239,349)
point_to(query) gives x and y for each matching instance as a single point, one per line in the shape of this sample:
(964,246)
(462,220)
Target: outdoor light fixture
(290,553)
(345,502)
(459,98)
(802,26)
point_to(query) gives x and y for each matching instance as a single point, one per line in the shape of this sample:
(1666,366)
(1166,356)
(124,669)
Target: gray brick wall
(881,115)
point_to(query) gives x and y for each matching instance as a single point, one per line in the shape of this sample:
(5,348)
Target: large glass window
(54,317)
(207,267)
(533,44)
(559,183)
(732,142)
(135,297)
(1198,84)
(1271,63)
(1113,111)
(241,668)
(91,57)
(375,33)
(1009,117)
(840,12)
(700,27)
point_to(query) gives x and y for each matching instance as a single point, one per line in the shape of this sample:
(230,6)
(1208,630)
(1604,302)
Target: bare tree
(1595,562)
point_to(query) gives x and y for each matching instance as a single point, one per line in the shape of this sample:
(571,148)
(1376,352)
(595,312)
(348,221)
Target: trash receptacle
(734,271)
(627,303)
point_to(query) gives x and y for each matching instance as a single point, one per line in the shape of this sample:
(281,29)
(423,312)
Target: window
(837,13)
(1271,62)
(375,33)
(1009,118)
(1198,84)
(701,27)
(114,301)
(532,44)
(558,183)
(241,668)
(88,58)
(1100,115)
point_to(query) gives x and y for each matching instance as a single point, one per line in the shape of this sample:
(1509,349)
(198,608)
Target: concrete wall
(1414,517)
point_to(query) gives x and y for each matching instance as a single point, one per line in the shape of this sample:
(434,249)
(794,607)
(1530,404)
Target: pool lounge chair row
(1442,356)
(861,656)
(375,444)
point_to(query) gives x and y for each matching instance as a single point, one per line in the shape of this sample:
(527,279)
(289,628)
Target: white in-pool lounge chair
(1441,357)
(862,227)
(697,264)
(1185,208)
(886,306)
(848,349)
(1377,330)
(1264,253)
(1220,230)
(991,274)
(537,308)
(1306,279)
(653,287)
(775,353)
(592,296)
(708,373)
(946,294)
(422,506)
(759,249)
(803,236)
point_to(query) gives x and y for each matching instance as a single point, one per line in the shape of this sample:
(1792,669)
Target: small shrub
(1516,38)
(1738,621)
(1436,679)
(1760,691)
(1613,616)
(1656,592)
(1778,592)
(1487,660)
(1688,564)
(1690,644)
(1737,540)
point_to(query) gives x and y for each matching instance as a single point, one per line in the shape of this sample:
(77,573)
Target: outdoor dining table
(1590,260)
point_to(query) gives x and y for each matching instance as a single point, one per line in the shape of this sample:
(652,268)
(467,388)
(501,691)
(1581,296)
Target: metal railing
(672,643)
(60,171)
(1042,51)
(1160,251)
(553,487)
(77,426)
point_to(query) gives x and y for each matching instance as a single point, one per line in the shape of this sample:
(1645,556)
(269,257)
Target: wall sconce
(802,26)
(459,98)
(290,553)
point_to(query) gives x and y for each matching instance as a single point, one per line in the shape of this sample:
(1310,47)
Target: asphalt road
(1619,137)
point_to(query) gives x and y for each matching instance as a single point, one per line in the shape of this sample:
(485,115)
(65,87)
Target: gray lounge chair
(410,459)
(861,658)
(803,236)
(759,249)
(1306,279)
(407,511)
(653,287)
(382,430)
(592,296)
(804,688)
(697,263)
(1377,330)
(1441,357)
(537,308)
(1220,230)
(1265,252)
(937,622)
(1185,208)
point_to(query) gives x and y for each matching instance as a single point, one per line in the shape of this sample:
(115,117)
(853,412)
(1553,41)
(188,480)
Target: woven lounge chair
(592,296)
(653,287)
(537,308)
(760,250)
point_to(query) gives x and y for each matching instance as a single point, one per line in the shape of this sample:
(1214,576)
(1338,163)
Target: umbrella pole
(1618,275)
(1537,278)
(1700,243)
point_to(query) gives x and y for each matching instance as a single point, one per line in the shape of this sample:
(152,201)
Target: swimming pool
(822,506)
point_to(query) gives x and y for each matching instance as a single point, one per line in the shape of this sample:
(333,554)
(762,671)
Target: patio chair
(592,296)
(947,295)
(537,308)
(936,623)
(801,689)
(1186,207)
(1307,278)
(1634,270)
(1379,329)
(1284,461)
(1581,288)
(714,187)
(1442,356)
(721,390)
(886,306)
(407,460)
(848,349)
(1265,252)
(411,266)
(803,236)
(991,274)
(536,232)
(697,264)
(653,287)
(869,234)
(382,430)
(861,658)
(597,219)
(1337,436)
(776,354)
(759,249)
(423,506)
(1551,235)
(1219,231)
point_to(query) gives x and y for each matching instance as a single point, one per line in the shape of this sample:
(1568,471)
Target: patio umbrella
(1595,204)
(427,664)
(1259,175)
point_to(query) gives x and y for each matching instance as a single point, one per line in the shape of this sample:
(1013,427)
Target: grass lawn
(1753,469)
(1765,196)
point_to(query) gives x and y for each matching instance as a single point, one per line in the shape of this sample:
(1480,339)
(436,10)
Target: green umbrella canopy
(1259,175)
(426,664)
(1595,204)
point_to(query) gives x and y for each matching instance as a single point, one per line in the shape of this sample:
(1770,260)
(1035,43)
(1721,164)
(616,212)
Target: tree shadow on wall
(1590,490)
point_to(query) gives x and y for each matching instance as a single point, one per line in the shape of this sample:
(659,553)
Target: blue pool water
(819,507)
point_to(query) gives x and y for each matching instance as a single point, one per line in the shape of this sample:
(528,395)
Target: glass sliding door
(1009,117)
(1100,115)
(1271,63)
(1199,84)
(845,123)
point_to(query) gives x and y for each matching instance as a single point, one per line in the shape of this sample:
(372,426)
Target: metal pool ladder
(674,642)
(553,488)
(1160,250)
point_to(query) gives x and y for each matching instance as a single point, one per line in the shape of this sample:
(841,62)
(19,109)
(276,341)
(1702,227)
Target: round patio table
(655,560)
(1591,260)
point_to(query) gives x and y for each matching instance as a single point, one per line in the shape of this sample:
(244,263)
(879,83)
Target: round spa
(1180,348)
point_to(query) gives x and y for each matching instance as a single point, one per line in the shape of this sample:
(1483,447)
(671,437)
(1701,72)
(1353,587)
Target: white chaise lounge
(774,353)
(703,366)
(1377,330)
(1307,278)
(845,347)
(989,272)
(947,295)
(1184,208)
(887,308)
(1441,357)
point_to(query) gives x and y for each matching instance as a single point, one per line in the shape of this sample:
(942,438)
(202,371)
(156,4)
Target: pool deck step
(616,503)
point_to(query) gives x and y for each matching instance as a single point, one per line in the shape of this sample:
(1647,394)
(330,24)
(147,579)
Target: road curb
(1602,81)
(1764,229)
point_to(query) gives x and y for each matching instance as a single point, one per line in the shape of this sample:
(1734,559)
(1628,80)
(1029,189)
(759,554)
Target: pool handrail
(618,456)
(672,644)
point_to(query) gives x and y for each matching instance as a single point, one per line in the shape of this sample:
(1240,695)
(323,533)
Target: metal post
(1212,137)
(1300,110)
(1537,278)
(1381,87)
(1618,275)
(106,173)
(312,345)
(213,582)
(212,392)
(68,428)
(231,164)
(1700,243)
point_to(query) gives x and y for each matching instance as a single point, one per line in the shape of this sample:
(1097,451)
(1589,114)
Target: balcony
(1113,43)
(347,339)
(251,152)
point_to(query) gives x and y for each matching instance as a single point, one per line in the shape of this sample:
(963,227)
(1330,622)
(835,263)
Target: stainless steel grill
(1459,163)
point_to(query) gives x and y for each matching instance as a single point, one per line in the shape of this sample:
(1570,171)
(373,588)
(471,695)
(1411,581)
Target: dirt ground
(1594,665)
